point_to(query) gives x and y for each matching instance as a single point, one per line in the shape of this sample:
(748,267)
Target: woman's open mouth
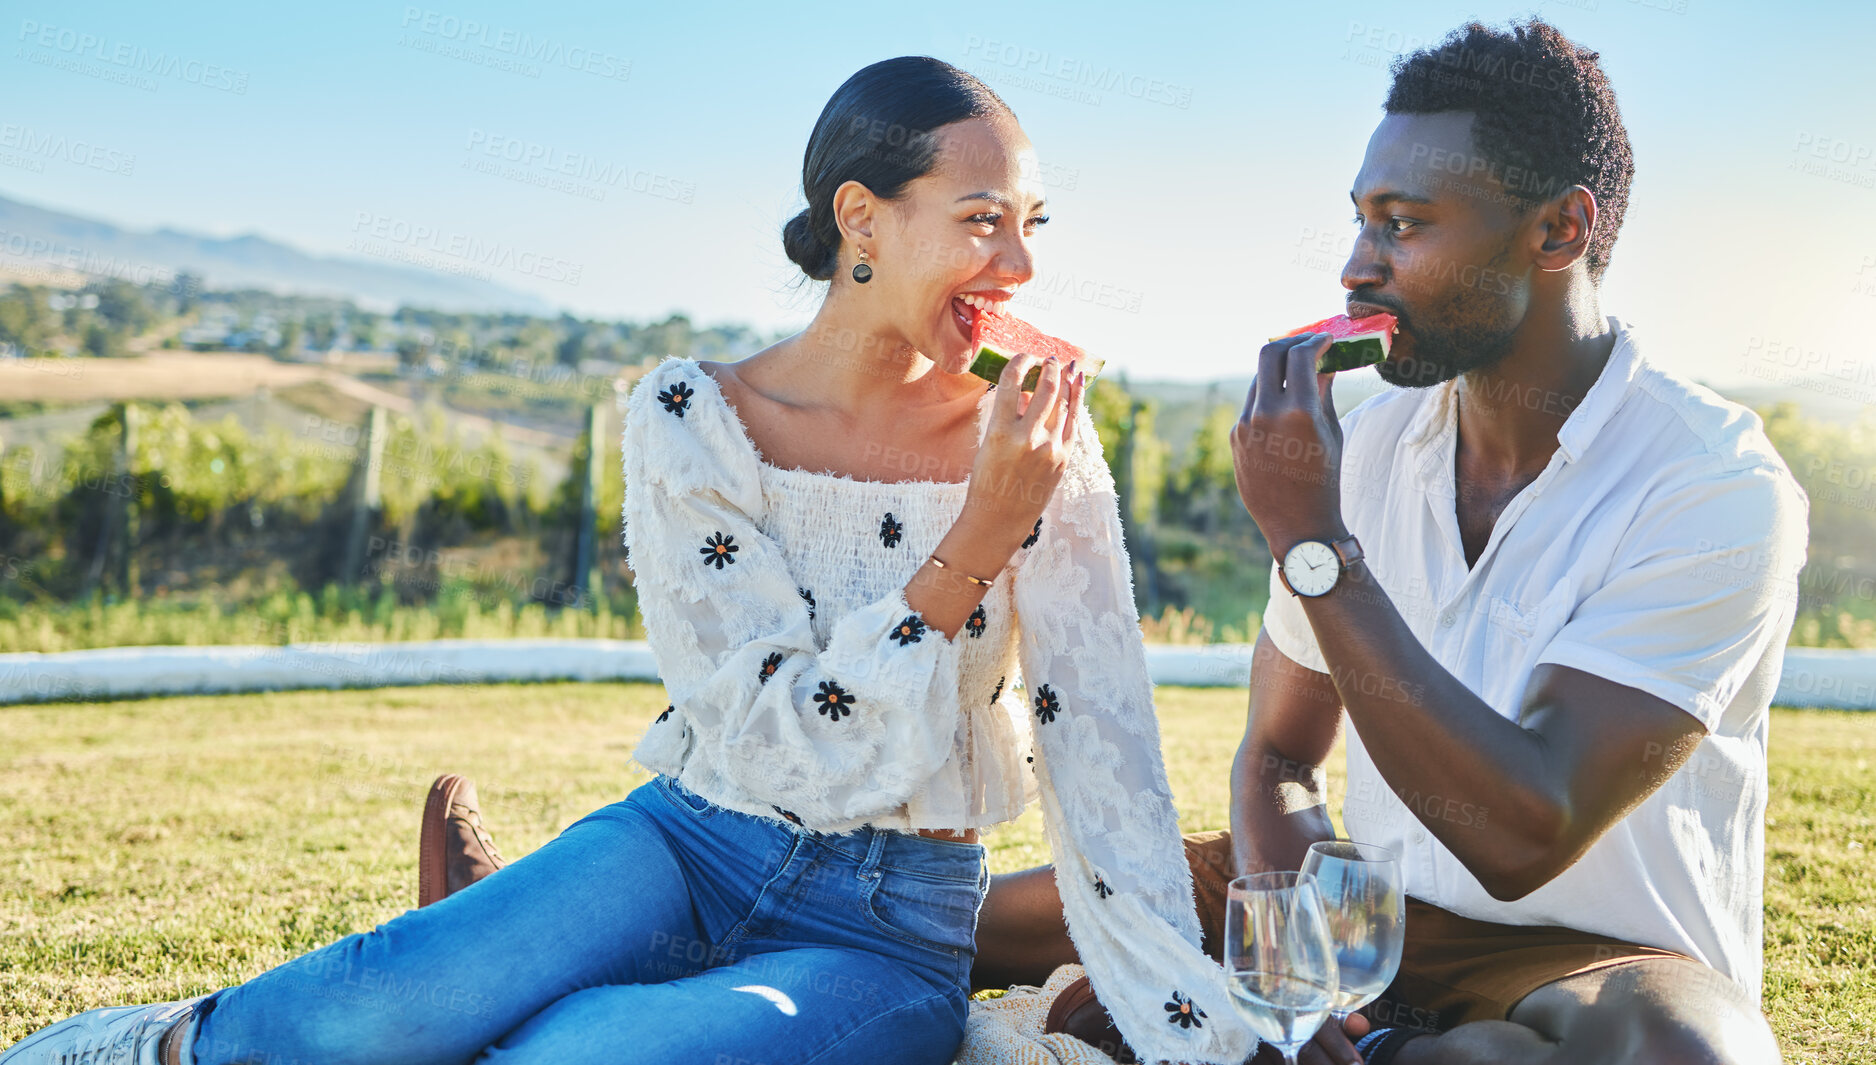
(965,310)
(963,315)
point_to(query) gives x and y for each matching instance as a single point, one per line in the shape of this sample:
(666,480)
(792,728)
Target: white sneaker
(115,1035)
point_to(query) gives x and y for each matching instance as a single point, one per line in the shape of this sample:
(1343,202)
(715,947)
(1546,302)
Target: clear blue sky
(1214,224)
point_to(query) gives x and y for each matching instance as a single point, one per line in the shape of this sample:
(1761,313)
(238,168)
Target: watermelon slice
(1358,341)
(998,337)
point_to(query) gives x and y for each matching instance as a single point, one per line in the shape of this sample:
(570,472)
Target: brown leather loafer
(1077,1012)
(456,850)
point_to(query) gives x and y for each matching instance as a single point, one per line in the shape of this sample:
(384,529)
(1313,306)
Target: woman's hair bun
(808,251)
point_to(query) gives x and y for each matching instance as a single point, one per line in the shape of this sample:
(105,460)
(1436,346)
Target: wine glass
(1279,959)
(1360,885)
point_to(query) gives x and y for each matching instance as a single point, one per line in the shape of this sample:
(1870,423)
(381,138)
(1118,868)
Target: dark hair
(1543,112)
(879,129)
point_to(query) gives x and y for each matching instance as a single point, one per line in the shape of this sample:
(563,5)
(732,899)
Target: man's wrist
(1354,582)
(1280,547)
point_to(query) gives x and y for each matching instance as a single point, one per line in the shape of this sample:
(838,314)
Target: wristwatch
(1313,567)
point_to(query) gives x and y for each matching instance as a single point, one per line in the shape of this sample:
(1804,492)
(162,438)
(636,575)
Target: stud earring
(862,273)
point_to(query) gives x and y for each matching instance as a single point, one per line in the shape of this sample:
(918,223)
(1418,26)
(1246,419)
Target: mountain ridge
(45,236)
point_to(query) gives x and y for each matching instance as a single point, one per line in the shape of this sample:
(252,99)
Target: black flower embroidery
(667,713)
(911,630)
(1101,890)
(1184,1012)
(834,700)
(976,622)
(787,815)
(998,694)
(676,399)
(809,596)
(719,550)
(1046,704)
(1034,535)
(769,666)
(890,530)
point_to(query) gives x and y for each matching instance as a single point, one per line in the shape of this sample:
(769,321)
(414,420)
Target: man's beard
(1442,354)
(1476,333)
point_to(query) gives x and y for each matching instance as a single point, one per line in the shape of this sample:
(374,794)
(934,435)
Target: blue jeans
(658,929)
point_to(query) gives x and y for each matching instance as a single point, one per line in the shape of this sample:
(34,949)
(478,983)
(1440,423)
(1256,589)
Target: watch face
(1311,567)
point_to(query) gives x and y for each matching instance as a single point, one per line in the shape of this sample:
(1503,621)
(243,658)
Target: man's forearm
(1432,738)
(1278,809)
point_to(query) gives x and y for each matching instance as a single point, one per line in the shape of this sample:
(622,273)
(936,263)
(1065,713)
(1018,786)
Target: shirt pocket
(1529,619)
(1521,629)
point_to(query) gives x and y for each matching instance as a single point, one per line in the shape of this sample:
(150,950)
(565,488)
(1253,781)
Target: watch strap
(1349,554)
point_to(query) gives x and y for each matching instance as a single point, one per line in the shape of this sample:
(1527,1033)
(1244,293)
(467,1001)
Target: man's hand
(1335,1043)
(1287,446)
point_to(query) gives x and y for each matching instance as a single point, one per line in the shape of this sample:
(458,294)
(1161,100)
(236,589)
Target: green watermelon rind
(1351,351)
(990,362)
(1350,354)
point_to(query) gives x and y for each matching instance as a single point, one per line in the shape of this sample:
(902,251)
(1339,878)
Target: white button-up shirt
(1659,549)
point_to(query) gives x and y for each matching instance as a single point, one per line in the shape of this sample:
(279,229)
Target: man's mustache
(1369,300)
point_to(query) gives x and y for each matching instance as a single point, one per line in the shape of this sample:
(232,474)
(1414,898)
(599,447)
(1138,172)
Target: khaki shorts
(1453,970)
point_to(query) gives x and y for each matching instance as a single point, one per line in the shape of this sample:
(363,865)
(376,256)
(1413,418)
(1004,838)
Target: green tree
(321,331)
(103,341)
(188,289)
(363,326)
(673,336)
(289,345)
(121,304)
(572,346)
(25,321)
(1835,464)
(412,351)
(1203,489)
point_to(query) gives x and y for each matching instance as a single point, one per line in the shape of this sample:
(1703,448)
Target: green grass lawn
(157,849)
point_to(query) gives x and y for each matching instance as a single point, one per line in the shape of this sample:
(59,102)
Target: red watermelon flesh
(1011,335)
(1357,341)
(998,337)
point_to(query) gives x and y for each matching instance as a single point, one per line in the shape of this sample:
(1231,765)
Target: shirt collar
(1605,396)
(1435,411)
(1435,419)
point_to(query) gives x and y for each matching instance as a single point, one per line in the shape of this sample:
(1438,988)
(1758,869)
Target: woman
(801,880)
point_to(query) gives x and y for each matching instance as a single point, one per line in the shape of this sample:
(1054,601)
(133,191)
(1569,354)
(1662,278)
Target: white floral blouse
(803,687)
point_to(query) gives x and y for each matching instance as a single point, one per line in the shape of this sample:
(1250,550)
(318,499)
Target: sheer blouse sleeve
(1113,831)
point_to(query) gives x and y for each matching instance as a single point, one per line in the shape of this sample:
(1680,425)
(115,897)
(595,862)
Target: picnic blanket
(1007,1029)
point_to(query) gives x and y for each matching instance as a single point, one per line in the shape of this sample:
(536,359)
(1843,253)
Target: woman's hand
(1019,463)
(1024,449)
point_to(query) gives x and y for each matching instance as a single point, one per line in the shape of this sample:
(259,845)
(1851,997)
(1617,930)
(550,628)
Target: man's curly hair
(1544,116)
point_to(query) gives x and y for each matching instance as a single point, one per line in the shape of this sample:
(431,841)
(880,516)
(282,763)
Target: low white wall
(1812,677)
(118,672)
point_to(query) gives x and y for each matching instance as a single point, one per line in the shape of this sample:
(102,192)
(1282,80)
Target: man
(1547,583)
(1558,652)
